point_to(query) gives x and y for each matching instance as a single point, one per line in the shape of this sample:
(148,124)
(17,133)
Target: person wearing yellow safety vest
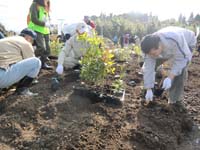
(38,20)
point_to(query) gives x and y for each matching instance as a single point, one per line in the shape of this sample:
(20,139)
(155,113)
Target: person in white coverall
(173,44)
(73,50)
(67,30)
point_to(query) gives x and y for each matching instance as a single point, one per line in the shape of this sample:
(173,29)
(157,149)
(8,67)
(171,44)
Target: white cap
(82,27)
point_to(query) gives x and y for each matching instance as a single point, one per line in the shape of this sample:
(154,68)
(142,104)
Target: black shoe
(47,67)
(24,82)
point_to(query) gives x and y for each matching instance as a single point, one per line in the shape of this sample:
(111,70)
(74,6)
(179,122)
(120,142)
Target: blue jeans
(28,67)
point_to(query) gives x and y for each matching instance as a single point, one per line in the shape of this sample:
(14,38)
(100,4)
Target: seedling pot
(96,97)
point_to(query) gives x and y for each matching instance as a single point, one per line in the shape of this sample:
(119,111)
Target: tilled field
(63,120)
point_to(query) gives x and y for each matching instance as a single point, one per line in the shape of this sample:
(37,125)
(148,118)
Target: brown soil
(64,120)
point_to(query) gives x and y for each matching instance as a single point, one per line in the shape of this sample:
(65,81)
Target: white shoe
(27,92)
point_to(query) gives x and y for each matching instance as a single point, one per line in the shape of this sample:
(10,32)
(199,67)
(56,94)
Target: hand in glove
(45,19)
(149,95)
(47,24)
(167,83)
(59,69)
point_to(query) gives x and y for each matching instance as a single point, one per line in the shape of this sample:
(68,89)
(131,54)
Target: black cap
(29,32)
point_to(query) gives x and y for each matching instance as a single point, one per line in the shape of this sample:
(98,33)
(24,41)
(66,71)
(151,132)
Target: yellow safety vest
(42,29)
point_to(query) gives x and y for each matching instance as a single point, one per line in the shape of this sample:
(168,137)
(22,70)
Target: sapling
(97,63)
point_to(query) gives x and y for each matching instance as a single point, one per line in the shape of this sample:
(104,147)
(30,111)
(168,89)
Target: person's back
(14,49)
(175,32)
(183,39)
(18,64)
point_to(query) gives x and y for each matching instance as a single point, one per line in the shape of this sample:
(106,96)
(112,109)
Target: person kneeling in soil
(74,49)
(72,52)
(173,44)
(18,64)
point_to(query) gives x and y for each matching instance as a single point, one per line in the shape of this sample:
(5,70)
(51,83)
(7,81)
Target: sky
(13,12)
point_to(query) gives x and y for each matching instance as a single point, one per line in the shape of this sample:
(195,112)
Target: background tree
(191,19)
(135,24)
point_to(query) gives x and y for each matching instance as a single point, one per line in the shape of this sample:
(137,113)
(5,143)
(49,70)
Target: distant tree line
(138,24)
(133,23)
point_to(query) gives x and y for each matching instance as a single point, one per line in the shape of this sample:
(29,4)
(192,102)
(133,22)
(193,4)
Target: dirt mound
(66,120)
(161,127)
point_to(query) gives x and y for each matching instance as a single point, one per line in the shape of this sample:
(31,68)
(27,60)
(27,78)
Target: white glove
(47,24)
(45,19)
(59,69)
(149,95)
(167,83)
